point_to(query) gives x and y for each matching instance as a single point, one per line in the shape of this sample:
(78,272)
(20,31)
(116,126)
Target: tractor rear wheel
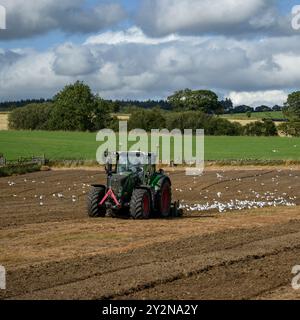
(165,199)
(93,202)
(140,204)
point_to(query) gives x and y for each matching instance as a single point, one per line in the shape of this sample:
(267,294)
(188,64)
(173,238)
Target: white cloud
(132,35)
(234,17)
(29,18)
(29,74)
(73,60)
(254,99)
(135,66)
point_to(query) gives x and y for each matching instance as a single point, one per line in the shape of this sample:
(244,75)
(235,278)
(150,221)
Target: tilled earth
(238,239)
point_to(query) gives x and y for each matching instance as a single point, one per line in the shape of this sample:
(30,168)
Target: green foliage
(77,109)
(74,108)
(100,115)
(147,119)
(199,100)
(292,106)
(292,111)
(32,117)
(199,120)
(155,119)
(18,169)
(290,128)
(266,128)
(222,127)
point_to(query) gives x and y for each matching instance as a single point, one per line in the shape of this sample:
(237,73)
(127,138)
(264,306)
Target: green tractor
(134,190)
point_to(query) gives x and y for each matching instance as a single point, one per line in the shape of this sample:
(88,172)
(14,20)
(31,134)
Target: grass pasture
(278,115)
(83,146)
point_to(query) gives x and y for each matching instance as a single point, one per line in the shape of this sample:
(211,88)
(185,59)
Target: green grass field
(255,116)
(83,146)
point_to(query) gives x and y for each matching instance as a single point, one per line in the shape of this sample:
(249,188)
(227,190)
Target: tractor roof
(143,157)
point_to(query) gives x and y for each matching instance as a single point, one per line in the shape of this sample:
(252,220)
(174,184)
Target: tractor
(135,190)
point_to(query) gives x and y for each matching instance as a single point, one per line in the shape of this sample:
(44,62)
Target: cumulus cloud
(27,73)
(73,60)
(230,17)
(132,35)
(131,65)
(29,18)
(258,98)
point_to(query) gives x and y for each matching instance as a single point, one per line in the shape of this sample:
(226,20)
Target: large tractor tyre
(93,202)
(164,199)
(140,204)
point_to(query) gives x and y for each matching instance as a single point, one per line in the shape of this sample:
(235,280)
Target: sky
(128,49)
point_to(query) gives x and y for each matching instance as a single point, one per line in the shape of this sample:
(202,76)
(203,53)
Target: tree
(199,100)
(227,105)
(277,108)
(100,117)
(263,109)
(76,108)
(242,109)
(292,106)
(147,119)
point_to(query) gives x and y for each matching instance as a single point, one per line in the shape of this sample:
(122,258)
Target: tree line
(76,108)
(189,99)
(11,105)
(213,126)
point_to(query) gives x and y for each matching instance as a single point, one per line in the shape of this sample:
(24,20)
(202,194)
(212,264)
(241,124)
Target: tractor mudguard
(162,180)
(158,184)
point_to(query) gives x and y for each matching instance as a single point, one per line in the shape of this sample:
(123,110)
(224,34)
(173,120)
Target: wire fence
(34,160)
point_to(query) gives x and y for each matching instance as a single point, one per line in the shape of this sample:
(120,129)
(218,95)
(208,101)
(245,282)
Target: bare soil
(51,250)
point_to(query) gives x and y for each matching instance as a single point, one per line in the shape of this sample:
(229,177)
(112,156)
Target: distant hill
(9,105)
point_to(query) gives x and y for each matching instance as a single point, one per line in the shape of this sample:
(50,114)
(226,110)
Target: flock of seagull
(256,200)
(59,195)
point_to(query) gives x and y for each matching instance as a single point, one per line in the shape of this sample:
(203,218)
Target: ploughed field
(239,238)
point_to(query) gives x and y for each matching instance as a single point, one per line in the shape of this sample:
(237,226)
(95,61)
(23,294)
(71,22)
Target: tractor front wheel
(140,204)
(93,202)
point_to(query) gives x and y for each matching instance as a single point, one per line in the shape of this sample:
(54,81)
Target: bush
(223,127)
(147,119)
(290,128)
(32,117)
(198,120)
(266,128)
(18,169)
